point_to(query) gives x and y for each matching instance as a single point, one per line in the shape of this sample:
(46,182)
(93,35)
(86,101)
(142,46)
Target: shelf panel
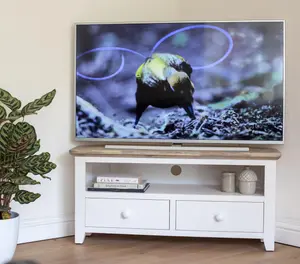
(181,192)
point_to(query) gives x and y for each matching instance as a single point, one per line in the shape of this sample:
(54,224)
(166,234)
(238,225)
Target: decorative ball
(247,181)
(247,175)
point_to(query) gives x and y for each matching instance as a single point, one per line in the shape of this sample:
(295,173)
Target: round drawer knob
(125,214)
(219,218)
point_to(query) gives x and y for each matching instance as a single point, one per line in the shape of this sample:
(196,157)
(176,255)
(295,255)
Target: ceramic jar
(247,181)
(228,182)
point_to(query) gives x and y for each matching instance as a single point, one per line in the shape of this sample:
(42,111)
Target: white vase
(247,181)
(247,188)
(9,232)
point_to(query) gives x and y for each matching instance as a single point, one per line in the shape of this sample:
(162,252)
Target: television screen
(186,82)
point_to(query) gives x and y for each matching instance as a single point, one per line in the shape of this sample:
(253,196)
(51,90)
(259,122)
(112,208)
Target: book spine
(118,190)
(118,185)
(117,180)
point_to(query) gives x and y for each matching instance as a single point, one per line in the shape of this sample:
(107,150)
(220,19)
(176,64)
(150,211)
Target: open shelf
(184,192)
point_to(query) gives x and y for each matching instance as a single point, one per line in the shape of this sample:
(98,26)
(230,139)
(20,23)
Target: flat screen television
(183,82)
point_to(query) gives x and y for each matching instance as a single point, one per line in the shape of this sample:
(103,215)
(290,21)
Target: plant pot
(9,230)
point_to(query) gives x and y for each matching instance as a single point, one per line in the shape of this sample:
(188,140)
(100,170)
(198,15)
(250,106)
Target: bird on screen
(163,81)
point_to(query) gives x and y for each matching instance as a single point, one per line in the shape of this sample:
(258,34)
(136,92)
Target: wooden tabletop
(101,151)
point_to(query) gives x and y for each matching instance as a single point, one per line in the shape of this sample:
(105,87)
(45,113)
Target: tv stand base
(185,208)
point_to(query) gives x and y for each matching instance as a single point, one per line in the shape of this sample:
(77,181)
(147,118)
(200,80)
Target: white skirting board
(288,232)
(31,230)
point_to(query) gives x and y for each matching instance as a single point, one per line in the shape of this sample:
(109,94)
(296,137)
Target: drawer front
(219,216)
(127,213)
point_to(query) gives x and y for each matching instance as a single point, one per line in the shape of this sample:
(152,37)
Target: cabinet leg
(80,170)
(269,244)
(269,206)
(79,237)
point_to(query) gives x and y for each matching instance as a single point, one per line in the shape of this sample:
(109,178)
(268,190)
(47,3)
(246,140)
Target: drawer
(219,216)
(127,213)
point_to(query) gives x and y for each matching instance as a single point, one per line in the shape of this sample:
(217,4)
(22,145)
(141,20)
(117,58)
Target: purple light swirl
(110,48)
(104,49)
(227,35)
(106,77)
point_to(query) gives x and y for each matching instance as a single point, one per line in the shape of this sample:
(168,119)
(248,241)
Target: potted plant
(19,164)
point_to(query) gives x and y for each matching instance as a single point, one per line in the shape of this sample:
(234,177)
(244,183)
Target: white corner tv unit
(189,205)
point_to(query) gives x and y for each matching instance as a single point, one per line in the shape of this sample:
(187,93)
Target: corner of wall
(288,232)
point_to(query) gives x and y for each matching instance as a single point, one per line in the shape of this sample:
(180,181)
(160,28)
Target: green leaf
(7,175)
(10,101)
(35,148)
(8,188)
(2,112)
(21,172)
(24,180)
(7,160)
(25,197)
(33,107)
(36,160)
(14,115)
(18,177)
(5,133)
(44,169)
(45,177)
(22,138)
(39,164)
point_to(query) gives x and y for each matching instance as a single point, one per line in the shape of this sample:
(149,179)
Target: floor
(113,249)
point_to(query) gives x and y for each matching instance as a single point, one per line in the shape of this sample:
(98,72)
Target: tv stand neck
(177,146)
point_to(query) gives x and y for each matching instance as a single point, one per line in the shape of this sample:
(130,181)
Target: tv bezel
(179,141)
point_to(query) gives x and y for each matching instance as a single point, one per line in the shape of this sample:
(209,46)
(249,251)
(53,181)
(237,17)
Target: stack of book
(120,183)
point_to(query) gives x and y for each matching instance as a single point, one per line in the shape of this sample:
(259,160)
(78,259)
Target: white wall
(36,55)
